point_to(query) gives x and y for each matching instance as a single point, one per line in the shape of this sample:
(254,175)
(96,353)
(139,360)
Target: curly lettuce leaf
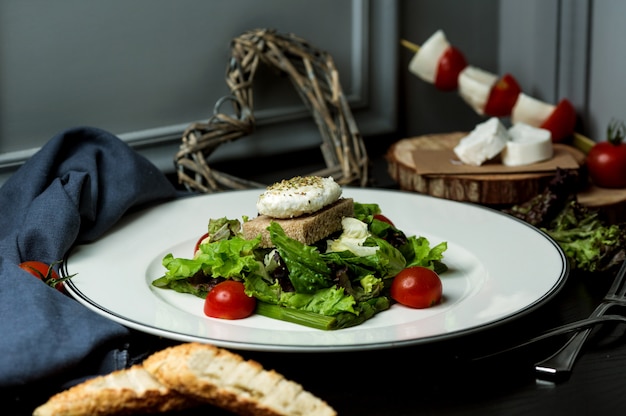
(233,258)
(589,243)
(223,229)
(229,258)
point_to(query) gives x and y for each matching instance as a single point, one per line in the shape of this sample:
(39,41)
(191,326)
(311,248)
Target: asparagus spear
(367,309)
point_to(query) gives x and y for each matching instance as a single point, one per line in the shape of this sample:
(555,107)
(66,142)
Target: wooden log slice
(610,202)
(487,189)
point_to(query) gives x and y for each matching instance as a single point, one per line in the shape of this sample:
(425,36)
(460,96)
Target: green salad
(336,283)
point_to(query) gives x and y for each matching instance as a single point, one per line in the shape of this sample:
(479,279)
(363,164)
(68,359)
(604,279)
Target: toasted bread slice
(307,229)
(124,392)
(226,380)
(185,376)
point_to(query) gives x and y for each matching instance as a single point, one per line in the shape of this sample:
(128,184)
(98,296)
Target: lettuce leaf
(329,301)
(588,242)
(223,229)
(418,252)
(308,270)
(229,258)
(233,258)
(385,262)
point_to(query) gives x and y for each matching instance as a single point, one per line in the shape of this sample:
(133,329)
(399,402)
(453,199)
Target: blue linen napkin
(71,191)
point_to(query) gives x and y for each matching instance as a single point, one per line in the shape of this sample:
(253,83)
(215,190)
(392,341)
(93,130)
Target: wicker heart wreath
(315,78)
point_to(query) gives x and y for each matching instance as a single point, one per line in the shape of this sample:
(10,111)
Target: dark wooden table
(447,378)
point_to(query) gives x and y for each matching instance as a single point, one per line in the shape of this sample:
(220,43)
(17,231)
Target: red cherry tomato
(381,217)
(502,97)
(43,272)
(417,287)
(228,300)
(450,65)
(562,121)
(606,161)
(200,240)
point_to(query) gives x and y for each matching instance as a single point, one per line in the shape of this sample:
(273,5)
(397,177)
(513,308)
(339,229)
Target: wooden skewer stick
(410,45)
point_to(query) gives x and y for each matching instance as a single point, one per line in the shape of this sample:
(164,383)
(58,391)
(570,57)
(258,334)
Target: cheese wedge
(483,143)
(425,62)
(528,145)
(474,87)
(530,110)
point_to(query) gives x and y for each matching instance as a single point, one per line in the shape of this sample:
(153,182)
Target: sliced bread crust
(226,380)
(123,392)
(184,376)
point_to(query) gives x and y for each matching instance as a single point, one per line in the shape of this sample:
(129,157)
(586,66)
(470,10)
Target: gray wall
(145,69)
(472,27)
(606,92)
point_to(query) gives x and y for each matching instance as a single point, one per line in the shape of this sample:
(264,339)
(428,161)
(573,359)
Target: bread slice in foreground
(226,380)
(307,229)
(186,376)
(123,392)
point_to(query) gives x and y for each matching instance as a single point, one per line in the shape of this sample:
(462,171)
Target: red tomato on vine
(45,273)
(606,161)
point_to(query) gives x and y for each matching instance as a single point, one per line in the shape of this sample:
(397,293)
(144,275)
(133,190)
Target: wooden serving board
(487,189)
(499,189)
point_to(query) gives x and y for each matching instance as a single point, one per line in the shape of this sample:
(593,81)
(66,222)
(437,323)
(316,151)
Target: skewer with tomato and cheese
(438,62)
(444,66)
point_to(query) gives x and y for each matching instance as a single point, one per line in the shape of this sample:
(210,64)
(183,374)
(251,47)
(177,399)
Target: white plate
(500,269)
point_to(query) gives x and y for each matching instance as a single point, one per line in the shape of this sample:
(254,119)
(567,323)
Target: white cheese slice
(528,145)
(297,196)
(475,86)
(531,111)
(483,143)
(425,62)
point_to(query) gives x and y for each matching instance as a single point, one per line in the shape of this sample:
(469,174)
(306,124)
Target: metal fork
(559,365)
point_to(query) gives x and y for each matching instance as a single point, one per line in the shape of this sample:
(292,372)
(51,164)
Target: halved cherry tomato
(562,121)
(200,240)
(450,65)
(417,287)
(45,273)
(502,97)
(381,217)
(228,300)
